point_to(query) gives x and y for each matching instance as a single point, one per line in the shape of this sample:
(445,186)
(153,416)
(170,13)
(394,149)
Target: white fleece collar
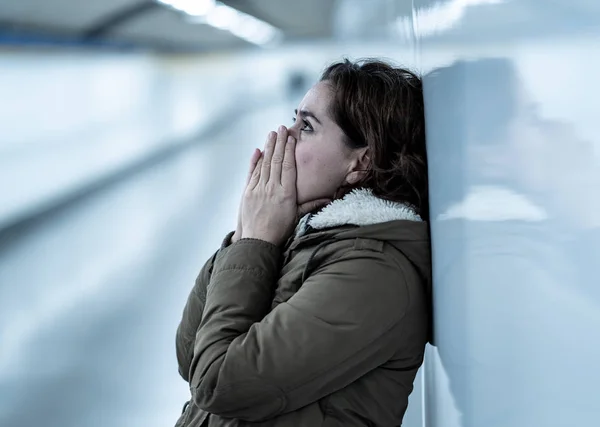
(359,207)
(493,203)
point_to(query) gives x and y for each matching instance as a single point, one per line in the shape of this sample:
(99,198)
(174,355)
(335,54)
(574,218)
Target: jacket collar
(359,207)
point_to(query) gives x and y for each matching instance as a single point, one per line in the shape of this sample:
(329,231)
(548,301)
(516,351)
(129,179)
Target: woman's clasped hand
(269,210)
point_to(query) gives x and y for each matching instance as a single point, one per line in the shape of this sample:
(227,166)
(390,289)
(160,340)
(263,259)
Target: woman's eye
(307,126)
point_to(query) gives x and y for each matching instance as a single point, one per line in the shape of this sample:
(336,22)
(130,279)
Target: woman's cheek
(303,159)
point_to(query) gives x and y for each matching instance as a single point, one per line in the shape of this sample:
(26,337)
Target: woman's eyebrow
(306,113)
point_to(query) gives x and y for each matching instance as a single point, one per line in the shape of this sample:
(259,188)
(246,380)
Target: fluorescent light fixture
(226,18)
(438,17)
(222,17)
(191,7)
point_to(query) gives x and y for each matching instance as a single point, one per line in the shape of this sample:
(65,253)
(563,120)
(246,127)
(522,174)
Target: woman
(321,322)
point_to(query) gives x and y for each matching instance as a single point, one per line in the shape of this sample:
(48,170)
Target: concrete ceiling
(66,15)
(299,18)
(145,22)
(164,27)
(150,23)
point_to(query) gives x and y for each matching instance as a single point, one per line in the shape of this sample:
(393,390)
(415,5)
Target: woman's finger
(278,154)
(253,161)
(288,173)
(268,153)
(311,206)
(255,177)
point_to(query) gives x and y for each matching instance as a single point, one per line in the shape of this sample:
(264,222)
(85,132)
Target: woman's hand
(253,161)
(269,206)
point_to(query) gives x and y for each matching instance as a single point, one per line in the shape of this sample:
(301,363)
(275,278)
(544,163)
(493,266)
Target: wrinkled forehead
(317,100)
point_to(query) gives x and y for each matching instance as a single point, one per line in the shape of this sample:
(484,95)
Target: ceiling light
(191,7)
(223,17)
(240,24)
(439,17)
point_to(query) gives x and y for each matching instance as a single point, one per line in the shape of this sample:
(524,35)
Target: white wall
(70,118)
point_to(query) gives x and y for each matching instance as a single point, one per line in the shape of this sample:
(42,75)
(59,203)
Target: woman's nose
(293,130)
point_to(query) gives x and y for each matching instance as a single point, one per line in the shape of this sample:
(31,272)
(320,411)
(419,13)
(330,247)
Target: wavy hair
(380,106)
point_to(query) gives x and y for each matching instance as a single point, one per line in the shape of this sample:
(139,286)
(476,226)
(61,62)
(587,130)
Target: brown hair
(381,107)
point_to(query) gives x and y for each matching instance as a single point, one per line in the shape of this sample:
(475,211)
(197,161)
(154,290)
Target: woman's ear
(358,167)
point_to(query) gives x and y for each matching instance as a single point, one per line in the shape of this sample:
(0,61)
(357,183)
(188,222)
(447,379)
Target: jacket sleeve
(254,366)
(192,313)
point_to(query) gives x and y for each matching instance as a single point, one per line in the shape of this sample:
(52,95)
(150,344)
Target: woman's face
(323,161)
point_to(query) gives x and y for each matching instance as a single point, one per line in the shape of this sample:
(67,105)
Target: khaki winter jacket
(329,330)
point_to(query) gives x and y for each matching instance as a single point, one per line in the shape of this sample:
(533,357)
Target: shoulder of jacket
(366,244)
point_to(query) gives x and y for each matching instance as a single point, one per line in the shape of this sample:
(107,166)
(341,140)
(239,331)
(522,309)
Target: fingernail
(290,139)
(282,128)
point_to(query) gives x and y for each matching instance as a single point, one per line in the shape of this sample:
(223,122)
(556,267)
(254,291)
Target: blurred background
(126,127)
